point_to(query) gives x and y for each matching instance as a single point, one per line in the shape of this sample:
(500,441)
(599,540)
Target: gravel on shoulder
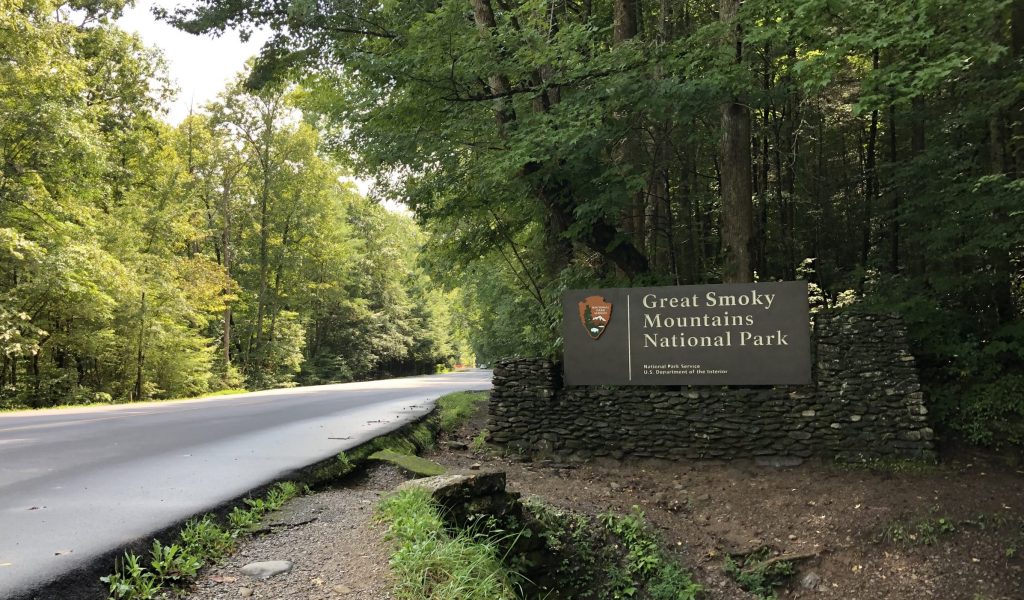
(337,550)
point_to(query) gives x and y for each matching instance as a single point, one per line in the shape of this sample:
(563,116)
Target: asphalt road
(76,484)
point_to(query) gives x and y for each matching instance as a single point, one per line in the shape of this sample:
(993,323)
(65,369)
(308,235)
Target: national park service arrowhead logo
(595,314)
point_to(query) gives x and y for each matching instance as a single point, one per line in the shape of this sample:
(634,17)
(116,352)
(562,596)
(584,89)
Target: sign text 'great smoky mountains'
(731,334)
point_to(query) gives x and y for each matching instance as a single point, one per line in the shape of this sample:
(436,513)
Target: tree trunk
(556,194)
(894,198)
(279,271)
(625,27)
(917,136)
(1016,54)
(665,20)
(659,213)
(760,191)
(141,356)
(790,123)
(483,16)
(870,180)
(736,189)
(226,245)
(263,253)
(1003,162)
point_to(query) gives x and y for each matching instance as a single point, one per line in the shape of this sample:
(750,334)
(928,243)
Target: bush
(987,413)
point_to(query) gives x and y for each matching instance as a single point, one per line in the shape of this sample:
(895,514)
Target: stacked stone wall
(865,402)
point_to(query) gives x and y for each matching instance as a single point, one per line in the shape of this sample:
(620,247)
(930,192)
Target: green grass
(431,564)
(455,409)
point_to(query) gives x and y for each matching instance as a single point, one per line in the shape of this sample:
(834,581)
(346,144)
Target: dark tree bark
(483,16)
(870,179)
(894,198)
(736,188)
(624,28)
(789,141)
(625,21)
(556,194)
(1017,54)
(141,356)
(225,238)
(1002,161)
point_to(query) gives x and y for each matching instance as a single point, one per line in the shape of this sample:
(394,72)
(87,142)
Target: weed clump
(758,573)
(433,564)
(203,537)
(609,557)
(200,542)
(479,441)
(925,532)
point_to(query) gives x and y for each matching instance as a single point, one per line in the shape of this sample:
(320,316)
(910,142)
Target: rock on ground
(266,569)
(336,550)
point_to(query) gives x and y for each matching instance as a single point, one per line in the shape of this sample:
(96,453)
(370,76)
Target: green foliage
(142,261)
(282,492)
(345,462)
(241,519)
(202,541)
(172,565)
(479,441)
(1016,543)
(758,574)
(613,556)
(204,538)
(547,150)
(430,563)
(645,564)
(989,413)
(131,580)
(558,148)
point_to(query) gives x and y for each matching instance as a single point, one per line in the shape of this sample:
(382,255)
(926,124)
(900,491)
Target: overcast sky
(199,65)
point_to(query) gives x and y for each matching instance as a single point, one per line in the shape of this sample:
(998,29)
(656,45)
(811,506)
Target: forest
(874,148)
(144,261)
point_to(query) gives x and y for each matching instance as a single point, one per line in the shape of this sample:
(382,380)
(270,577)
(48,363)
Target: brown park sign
(729,334)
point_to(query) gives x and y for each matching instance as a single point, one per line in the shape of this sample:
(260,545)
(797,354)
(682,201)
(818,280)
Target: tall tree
(735,168)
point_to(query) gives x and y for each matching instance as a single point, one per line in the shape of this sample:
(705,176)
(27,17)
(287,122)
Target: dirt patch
(952,532)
